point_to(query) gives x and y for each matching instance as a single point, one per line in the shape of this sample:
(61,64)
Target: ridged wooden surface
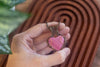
(83,18)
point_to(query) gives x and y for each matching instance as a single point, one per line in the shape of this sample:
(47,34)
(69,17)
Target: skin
(29,48)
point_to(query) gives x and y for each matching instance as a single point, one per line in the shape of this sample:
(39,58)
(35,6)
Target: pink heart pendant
(56,42)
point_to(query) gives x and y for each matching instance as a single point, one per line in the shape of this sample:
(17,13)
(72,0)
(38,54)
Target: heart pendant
(56,43)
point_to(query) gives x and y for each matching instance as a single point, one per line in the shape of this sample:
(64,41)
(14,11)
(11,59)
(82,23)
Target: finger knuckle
(15,36)
(39,25)
(61,57)
(18,37)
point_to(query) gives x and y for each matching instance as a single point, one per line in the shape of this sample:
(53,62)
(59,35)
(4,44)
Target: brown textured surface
(82,16)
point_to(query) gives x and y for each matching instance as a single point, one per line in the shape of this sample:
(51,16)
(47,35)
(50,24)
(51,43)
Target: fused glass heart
(56,42)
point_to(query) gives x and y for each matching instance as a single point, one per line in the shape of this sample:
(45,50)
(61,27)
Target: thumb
(57,58)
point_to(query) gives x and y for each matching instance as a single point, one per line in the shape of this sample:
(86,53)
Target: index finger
(40,28)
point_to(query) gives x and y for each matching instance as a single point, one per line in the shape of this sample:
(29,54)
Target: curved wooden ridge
(82,16)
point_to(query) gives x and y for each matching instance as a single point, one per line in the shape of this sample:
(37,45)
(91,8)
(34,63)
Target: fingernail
(67,50)
(68,29)
(62,23)
(68,36)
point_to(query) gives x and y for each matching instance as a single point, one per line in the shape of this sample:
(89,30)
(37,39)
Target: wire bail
(54,29)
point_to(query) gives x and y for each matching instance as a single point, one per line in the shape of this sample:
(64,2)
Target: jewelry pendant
(56,41)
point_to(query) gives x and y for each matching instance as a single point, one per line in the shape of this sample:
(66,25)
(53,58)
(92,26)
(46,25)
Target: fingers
(41,42)
(68,36)
(45,51)
(40,28)
(57,58)
(41,46)
(45,36)
(65,31)
(41,38)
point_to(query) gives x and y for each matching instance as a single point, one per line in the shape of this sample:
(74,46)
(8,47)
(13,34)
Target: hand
(30,47)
